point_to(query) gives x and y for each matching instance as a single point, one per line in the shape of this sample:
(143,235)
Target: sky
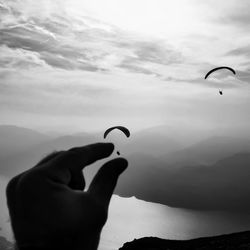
(78,65)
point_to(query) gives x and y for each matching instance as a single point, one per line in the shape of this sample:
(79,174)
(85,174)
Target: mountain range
(212,173)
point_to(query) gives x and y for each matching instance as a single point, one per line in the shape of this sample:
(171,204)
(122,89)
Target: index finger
(77,158)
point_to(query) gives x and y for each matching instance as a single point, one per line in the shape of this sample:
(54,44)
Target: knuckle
(29,183)
(11,187)
(69,156)
(49,157)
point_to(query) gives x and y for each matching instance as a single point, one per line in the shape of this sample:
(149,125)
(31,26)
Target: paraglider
(219,68)
(121,128)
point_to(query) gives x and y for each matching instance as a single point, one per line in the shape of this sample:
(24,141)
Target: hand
(48,207)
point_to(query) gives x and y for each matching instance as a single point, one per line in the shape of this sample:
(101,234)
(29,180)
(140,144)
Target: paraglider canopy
(123,129)
(219,68)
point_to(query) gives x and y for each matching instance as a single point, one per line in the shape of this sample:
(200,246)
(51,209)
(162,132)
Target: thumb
(103,184)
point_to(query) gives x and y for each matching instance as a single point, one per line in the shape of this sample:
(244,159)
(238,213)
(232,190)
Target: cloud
(242,20)
(238,15)
(52,92)
(4,9)
(19,58)
(242,51)
(58,39)
(148,55)
(227,82)
(59,61)
(156,53)
(152,52)
(31,38)
(132,66)
(80,42)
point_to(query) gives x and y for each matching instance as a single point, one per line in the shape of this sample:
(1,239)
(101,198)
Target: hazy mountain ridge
(188,184)
(222,186)
(14,139)
(26,157)
(208,151)
(226,242)
(153,142)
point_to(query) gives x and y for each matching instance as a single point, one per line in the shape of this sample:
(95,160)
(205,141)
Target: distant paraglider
(121,128)
(219,68)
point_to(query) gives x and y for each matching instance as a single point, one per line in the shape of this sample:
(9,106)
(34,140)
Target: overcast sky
(71,65)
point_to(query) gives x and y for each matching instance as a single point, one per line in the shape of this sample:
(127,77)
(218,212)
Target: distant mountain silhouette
(152,142)
(222,186)
(14,139)
(235,241)
(143,178)
(27,157)
(17,159)
(208,151)
(211,174)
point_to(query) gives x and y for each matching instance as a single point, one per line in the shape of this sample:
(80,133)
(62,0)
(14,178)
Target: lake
(130,218)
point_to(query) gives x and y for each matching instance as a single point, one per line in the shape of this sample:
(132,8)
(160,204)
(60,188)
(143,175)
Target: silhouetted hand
(48,207)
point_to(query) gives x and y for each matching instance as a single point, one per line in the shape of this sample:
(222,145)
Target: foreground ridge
(232,241)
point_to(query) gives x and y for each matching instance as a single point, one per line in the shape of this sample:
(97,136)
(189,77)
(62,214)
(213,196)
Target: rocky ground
(233,241)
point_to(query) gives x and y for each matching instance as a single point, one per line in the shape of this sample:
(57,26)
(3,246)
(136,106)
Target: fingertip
(122,161)
(108,148)
(111,146)
(123,164)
